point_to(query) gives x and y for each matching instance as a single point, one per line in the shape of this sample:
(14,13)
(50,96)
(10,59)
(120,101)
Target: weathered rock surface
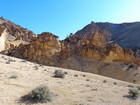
(16,30)
(127,35)
(42,49)
(93,55)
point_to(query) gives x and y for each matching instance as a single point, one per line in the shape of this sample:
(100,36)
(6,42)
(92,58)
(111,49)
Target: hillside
(15,30)
(127,35)
(18,77)
(93,54)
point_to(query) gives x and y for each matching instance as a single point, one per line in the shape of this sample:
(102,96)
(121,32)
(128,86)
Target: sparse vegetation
(114,83)
(59,74)
(66,73)
(13,76)
(84,75)
(104,81)
(133,93)
(40,94)
(76,75)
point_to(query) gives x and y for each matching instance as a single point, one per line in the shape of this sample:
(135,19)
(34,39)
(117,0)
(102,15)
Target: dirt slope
(72,90)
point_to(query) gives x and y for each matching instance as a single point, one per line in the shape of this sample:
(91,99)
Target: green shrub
(40,94)
(59,74)
(133,93)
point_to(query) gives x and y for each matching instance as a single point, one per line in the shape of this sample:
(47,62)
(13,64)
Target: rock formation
(127,35)
(48,50)
(13,35)
(93,54)
(15,30)
(42,49)
(3,39)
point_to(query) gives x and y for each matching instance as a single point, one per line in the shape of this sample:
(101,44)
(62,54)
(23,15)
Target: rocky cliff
(42,49)
(125,34)
(94,54)
(80,53)
(16,30)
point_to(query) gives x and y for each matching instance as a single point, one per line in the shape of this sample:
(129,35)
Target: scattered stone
(94,89)
(114,83)
(35,67)
(66,73)
(76,75)
(84,75)
(131,86)
(23,61)
(87,80)
(87,85)
(7,62)
(2,56)
(13,77)
(81,104)
(104,81)
(11,60)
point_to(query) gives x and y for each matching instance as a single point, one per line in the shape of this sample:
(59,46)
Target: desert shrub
(133,93)
(13,76)
(59,74)
(114,83)
(104,81)
(75,75)
(40,94)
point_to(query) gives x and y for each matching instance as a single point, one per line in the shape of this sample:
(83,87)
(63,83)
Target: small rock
(114,83)
(84,75)
(76,75)
(36,68)
(7,62)
(87,80)
(104,81)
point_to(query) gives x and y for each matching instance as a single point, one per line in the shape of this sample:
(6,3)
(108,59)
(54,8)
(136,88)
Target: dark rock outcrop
(127,35)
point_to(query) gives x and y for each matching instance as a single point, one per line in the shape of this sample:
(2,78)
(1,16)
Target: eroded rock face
(3,39)
(15,30)
(78,53)
(46,47)
(98,48)
(89,52)
(116,53)
(42,49)
(90,29)
(98,39)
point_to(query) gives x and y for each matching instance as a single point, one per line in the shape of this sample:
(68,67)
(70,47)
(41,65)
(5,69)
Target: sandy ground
(83,89)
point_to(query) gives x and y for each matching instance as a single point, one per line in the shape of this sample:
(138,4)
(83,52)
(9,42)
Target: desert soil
(18,77)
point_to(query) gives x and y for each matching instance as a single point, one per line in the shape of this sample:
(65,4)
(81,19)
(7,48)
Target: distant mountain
(15,30)
(127,35)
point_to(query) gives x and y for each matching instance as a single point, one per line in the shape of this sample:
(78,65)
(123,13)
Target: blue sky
(62,17)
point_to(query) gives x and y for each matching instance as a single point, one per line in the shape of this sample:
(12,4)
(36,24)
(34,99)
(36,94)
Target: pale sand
(71,90)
